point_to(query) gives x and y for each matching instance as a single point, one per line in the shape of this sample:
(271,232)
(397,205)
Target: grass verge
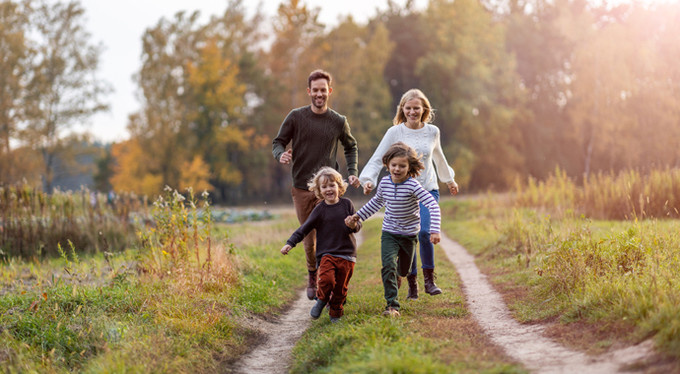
(599,283)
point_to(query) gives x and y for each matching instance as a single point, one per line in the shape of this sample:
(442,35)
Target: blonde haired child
(336,251)
(400,194)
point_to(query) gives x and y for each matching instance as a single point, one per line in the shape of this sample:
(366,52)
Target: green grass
(102,319)
(433,334)
(616,273)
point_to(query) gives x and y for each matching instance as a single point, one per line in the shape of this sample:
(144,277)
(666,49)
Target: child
(399,193)
(336,251)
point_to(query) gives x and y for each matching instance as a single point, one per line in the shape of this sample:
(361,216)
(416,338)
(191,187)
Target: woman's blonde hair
(331,174)
(414,93)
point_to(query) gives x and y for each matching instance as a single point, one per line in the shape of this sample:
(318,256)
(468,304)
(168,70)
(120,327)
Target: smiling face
(319,91)
(398,168)
(329,190)
(413,111)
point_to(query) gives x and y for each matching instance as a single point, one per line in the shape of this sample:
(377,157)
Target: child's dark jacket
(332,235)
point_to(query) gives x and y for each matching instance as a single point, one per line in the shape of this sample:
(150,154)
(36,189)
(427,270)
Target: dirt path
(274,354)
(525,343)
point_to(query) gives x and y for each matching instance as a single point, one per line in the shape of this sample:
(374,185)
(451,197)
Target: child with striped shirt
(400,194)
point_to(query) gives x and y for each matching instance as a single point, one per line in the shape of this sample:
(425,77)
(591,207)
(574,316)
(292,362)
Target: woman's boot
(412,287)
(430,287)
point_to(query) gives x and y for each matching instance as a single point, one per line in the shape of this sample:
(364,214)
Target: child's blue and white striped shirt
(402,214)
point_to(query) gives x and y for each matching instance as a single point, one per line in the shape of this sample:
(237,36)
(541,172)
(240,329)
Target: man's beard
(323,103)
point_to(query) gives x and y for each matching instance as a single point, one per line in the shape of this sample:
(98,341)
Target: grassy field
(600,283)
(102,314)
(595,284)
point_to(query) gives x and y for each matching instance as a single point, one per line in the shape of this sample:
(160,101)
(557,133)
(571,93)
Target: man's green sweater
(315,142)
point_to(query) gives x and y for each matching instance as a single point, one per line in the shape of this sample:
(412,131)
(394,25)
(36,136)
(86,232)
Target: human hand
(435,238)
(353,181)
(453,187)
(286,248)
(286,157)
(351,221)
(368,187)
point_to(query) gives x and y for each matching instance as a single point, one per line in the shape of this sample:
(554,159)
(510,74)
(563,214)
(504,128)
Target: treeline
(519,88)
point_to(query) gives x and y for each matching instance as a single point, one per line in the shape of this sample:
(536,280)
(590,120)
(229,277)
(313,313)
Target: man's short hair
(319,74)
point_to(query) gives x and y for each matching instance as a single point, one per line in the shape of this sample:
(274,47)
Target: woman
(412,125)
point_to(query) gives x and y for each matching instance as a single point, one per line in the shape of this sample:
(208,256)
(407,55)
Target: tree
(62,88)
(542,48)
(216,97)
(295,27)
(196,103)
(14,57)
(356,55)
(470,78)
(160,129)
(103,170)
(410,44)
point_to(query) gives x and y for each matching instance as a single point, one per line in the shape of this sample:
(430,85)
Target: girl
(400,193)
(336,251)
(413,125)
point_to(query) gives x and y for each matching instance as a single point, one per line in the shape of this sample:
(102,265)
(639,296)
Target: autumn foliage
(518,90)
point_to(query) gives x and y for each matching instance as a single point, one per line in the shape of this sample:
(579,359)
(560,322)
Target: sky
(119,30)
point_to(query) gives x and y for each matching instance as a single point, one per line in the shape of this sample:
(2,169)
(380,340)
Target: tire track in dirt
(273,355)
(526,343)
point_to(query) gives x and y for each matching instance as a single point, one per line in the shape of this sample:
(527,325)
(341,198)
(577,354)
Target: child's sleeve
(305,228)
(372,206)
(428,200)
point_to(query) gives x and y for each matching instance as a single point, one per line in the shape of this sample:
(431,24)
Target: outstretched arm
(286,248)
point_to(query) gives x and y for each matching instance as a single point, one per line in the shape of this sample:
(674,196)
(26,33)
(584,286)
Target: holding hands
(352,221)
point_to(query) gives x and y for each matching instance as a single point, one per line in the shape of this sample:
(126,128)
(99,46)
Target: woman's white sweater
(426,143)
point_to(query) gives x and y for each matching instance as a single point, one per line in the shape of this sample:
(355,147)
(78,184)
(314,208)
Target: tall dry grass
(626,195)
(33,224)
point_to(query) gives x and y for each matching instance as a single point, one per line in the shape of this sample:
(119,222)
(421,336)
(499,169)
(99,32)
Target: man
(314,131)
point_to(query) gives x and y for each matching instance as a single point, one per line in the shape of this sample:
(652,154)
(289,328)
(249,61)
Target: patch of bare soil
(530,344)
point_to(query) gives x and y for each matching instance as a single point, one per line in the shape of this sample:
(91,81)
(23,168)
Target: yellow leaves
(132,171)
(195,174)
(214,80)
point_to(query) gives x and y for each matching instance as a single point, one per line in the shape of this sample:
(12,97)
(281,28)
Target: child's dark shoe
(391,312)
(412,287)
(317,308)
(335,319)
